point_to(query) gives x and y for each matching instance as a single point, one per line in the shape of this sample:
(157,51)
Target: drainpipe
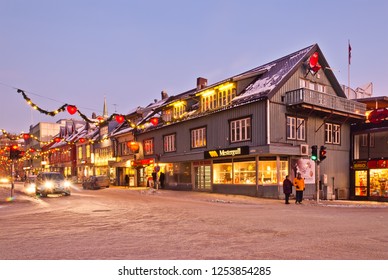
(268,122)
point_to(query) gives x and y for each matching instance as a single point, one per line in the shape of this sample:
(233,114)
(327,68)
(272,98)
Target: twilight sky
(80,51)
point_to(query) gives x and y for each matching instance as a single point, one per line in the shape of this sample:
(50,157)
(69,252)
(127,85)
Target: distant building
(369,168)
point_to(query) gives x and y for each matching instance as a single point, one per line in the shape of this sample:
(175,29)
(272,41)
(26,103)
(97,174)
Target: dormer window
(179,109)
(167,115)
(217,97)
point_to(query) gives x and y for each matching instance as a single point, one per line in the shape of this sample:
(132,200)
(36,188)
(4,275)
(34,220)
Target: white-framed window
(218,97)
(179,110)
(240,130)
(332,133)
(208,102)
(167,115)
(198,137)
(149,147)
(296,128)
(312,85)
(364,140)
(169,143)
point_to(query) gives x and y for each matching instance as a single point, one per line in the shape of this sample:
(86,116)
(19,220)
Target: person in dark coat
(126,180)
(161,180)
(287,189)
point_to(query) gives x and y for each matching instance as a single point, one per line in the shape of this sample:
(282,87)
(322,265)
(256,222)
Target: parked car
(52,183)
(30,184)
(96,182)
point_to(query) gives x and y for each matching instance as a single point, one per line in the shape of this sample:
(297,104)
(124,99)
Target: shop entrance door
(202,175)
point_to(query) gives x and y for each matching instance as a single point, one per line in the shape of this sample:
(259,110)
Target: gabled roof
(276,73)
(266,80)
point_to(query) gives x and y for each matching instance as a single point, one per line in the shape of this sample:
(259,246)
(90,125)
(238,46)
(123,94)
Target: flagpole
(349,56)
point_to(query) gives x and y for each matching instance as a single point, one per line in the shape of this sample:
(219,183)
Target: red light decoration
(154,121)
(82,140)
(100,119)
(26,136)
(313,63)
(32,150)
(71,109)
(57,139)
(378,115)
(119,118)
(133,146)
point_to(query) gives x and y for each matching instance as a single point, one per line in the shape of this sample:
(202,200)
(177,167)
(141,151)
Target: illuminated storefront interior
(244,171)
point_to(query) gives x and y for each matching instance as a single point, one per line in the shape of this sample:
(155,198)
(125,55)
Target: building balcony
(324,103)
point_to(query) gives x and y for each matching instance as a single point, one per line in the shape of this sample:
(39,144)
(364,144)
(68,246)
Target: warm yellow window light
(179,103)
(225,86)
(207,93)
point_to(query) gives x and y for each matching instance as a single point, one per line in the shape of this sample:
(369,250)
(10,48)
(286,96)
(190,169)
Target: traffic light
(14,152)
(314,152)
(322,153)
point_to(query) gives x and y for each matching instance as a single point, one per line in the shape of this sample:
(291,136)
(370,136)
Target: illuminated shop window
(222,173)
(268,172)
(361,182)
(244,172)
(378,182)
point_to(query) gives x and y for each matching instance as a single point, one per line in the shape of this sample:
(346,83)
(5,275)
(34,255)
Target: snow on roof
(276,71)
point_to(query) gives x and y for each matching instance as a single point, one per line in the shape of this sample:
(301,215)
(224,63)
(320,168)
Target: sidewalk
(18,195)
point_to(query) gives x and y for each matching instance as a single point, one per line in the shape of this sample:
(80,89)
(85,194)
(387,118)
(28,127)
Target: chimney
(164,94)
(201,83)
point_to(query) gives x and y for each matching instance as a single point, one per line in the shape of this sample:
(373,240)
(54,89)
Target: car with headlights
(5,180)
(52,183)
(96,182)
(30,184)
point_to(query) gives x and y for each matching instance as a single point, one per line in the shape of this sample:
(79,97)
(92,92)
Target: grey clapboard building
(244,134)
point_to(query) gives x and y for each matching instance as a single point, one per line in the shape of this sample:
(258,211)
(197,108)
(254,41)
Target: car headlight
(4,180)
(67,184)
(48,185)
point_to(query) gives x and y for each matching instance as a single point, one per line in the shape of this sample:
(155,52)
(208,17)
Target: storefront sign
(360,164)
(143,162)
(227,152)
(381,163)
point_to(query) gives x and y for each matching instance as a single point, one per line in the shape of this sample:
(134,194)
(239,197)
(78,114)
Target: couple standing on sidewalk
(299,187)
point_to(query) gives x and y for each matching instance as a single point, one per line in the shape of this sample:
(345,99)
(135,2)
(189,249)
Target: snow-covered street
(141,224)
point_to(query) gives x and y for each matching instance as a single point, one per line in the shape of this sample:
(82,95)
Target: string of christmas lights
(72,109)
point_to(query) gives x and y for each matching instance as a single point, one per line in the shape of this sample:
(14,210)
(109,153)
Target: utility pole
(12,173)
(317,170)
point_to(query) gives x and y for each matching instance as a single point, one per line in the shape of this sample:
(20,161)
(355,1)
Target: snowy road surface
(141,224)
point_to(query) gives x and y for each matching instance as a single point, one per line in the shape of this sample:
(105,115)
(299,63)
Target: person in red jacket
(299,187)
(287,189)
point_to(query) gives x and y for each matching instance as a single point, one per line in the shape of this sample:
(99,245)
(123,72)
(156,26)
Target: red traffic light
(322,153)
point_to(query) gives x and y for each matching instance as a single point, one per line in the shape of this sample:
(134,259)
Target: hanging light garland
(72,109)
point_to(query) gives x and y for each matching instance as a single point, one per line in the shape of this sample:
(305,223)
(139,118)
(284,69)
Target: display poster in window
(306,167)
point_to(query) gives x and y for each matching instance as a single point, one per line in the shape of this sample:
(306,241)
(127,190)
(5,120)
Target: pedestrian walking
(299,187)
(155,179)
(287,189)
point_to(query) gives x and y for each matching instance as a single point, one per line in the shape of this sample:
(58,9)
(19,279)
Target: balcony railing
(324,100)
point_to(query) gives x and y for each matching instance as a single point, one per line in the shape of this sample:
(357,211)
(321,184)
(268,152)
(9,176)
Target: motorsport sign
(227,152)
